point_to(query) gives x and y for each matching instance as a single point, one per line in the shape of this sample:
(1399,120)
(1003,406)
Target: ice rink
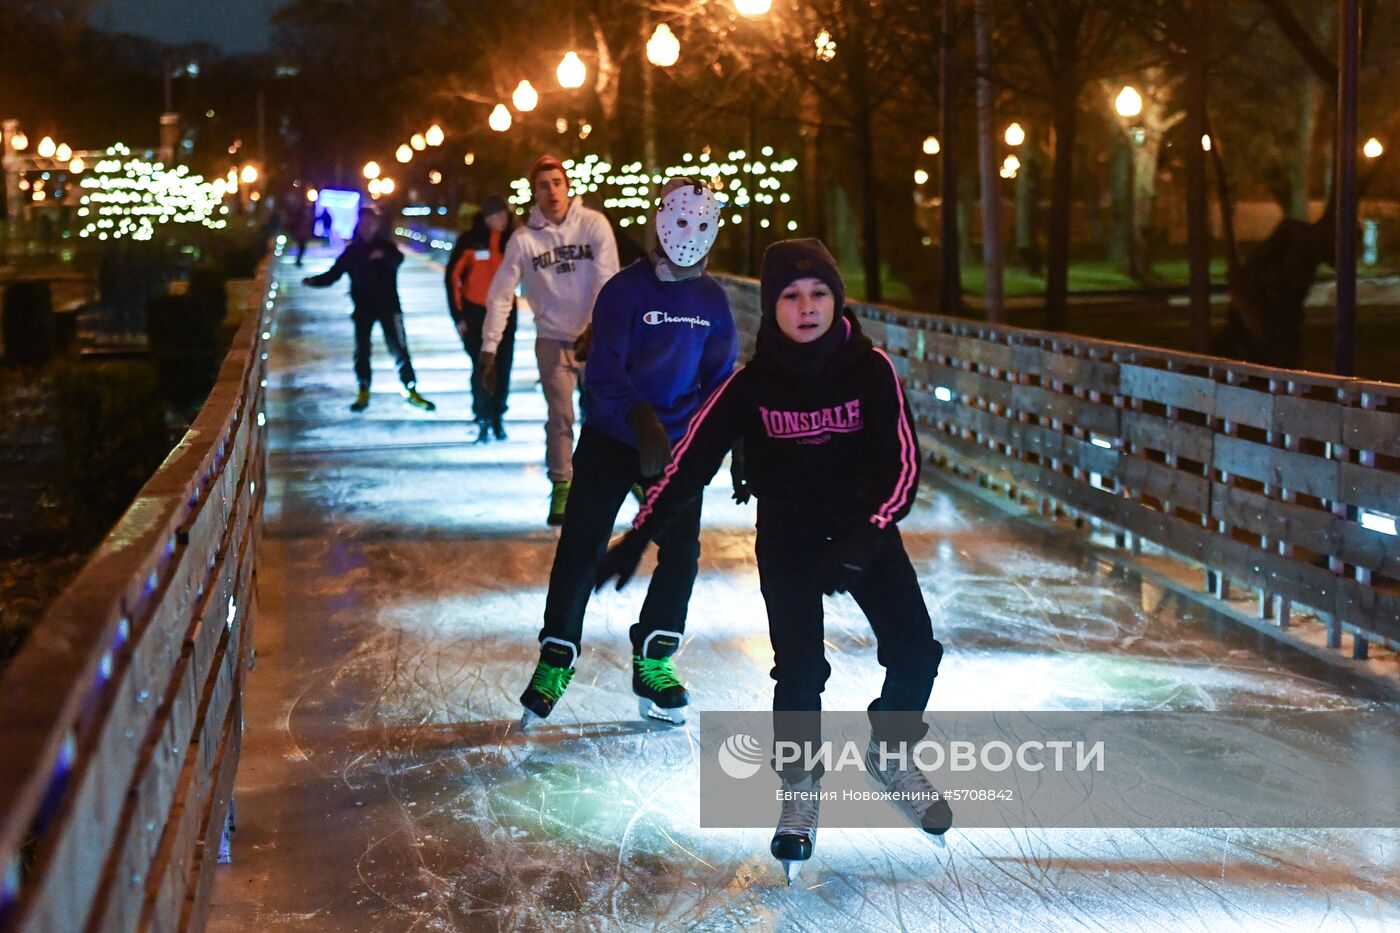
(384,785)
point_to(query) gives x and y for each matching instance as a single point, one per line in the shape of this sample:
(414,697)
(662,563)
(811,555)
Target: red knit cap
(544,164)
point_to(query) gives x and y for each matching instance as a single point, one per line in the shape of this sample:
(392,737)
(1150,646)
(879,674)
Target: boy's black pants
(488,402)
(395,338)
(604,471)
(790,549)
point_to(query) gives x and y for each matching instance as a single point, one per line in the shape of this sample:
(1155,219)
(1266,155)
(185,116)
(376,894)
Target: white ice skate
(917,799)
(796,835)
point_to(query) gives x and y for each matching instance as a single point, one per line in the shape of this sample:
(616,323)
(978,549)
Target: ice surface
(402,578)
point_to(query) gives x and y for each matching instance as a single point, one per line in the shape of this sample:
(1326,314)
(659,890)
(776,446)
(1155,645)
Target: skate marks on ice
(384,785)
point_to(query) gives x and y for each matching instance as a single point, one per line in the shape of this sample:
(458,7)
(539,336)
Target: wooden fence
(1283,482)
(121,717)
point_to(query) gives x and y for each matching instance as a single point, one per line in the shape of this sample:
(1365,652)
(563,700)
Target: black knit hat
(786,261)
(493,204)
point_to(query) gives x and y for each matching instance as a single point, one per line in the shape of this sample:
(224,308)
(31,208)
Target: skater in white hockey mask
(663,341)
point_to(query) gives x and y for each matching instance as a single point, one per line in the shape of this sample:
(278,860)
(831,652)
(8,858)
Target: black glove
(849,555)
(583,344)
(653,446)
(486,370)
(621,560)
(736,473)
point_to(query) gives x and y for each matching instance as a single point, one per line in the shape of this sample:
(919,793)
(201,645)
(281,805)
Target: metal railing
(121,717)
(1283,482)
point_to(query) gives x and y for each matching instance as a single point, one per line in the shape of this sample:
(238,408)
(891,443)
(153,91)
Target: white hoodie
(563,265)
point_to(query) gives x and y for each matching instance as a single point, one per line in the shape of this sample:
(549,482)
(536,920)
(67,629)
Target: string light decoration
(127,197)
(630,192)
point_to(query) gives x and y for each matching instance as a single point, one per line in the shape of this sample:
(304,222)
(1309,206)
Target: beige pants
(560,373)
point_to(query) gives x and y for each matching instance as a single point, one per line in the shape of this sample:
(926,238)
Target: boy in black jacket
(372,261)
(831,455)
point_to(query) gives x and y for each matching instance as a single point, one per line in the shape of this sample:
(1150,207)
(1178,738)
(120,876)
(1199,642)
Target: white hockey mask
(686,224)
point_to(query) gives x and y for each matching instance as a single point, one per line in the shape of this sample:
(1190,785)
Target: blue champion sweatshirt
(669,344)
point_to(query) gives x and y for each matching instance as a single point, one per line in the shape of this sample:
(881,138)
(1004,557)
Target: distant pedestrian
(300,226)
(372,261)
(476,256)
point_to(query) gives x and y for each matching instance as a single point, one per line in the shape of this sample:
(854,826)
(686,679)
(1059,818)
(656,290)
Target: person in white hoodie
(563,256)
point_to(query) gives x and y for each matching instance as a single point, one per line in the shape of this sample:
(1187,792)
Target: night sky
(234,25)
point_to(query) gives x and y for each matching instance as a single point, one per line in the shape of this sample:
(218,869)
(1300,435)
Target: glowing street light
(525,97)
(1373,148)
(469,158)
(434,136)
(499,119)
(1128,103)
(753,7)
(63,153)
(1010,167)
(826,46)
(435,177)
(1205,141)
(376,187)
(386,185)
(571,70)
(20,142)
(47,148)
(371,170)
(403,153)
(931,146)
(663,48)
(920,177)
(1015,135)
(77,166)
(249,174)
(312,195)
(418,142)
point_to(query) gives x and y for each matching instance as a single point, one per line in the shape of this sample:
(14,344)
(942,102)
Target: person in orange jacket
(475,258)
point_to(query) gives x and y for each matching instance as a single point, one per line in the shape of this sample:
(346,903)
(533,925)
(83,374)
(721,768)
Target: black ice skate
(552,675)
(796,835)
(917,799)
(660,694)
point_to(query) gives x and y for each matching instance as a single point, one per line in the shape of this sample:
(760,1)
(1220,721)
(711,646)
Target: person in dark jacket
(831,456)
(475,258)
(372,261)
(663,341)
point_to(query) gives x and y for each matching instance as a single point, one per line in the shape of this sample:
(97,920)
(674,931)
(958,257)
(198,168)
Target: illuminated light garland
(627,188)
(128,197)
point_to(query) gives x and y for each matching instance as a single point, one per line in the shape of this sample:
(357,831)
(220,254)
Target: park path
(384,787)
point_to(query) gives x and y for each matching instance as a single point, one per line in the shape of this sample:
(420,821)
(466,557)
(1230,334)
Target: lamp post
(1128,105)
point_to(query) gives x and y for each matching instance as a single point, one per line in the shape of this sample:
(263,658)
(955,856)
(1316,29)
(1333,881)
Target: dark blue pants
(604,471)
(790,548)
(488,402)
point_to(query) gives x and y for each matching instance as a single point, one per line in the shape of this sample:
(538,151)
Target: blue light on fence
(1375,521)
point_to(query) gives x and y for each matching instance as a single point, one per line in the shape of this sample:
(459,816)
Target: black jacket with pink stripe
(839,444)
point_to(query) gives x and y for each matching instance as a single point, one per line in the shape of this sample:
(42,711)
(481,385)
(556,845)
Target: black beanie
(786,261)
(493,204)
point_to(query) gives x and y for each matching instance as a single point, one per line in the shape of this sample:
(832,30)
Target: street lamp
(386,185)
(77,166)
(499,119)
(19,142)
(525,98)
(1373,148)
(753,7)
(469,158)
(663,48)
(920,177)
(371,170)
(249,174)
(63,153)
(47,148)
(1010,167)
(1205,142)
(418,142)
(434,136)
(1128,103)
(403,154)
(1015,135)
(571,71)
(931,146)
